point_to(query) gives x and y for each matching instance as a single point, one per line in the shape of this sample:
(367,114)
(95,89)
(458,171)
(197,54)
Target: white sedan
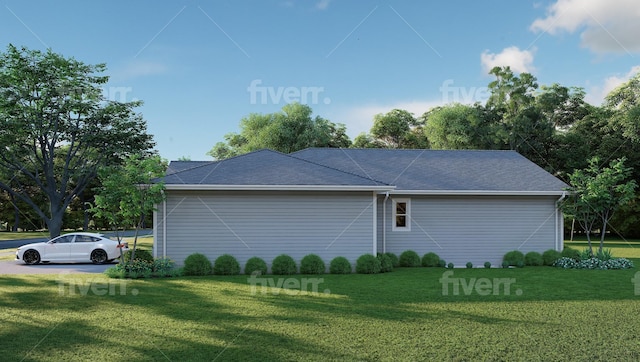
(74,247)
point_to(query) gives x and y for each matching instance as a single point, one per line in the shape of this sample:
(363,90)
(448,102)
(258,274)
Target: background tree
(288,131)
(597,193)
(58,128)
(459,126)
(128,193)
(395,129)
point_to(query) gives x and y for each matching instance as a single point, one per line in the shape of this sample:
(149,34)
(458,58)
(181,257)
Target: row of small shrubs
(143,265)
(199,264)
(568,258)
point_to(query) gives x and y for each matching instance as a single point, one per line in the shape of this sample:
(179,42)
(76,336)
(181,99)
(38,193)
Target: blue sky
(201,66)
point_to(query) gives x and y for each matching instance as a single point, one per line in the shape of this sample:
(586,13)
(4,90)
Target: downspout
(384,222)
(164,228)
(564,194)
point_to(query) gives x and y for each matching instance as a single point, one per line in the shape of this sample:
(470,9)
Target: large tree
(57,128)
(290,130)
(397,128)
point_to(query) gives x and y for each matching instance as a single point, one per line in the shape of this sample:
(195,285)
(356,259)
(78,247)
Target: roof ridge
(337,169)
(207,163)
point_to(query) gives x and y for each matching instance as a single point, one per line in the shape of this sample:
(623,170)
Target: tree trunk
(54,224)
(16,213)
(589,243)
(604,230)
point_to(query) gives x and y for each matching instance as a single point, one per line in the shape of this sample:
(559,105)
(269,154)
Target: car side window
(85,239)
(64,239)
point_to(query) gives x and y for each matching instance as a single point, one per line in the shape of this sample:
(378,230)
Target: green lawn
(547,314)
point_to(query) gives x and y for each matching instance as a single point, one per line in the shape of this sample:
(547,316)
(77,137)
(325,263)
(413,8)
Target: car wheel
(99,256)
(31,257)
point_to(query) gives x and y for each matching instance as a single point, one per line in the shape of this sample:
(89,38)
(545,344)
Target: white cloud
(359,118)
(322,4)
(596,94)
(606,25)
(519,60)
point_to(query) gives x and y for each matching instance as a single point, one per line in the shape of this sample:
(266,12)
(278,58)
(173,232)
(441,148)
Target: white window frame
(407,215)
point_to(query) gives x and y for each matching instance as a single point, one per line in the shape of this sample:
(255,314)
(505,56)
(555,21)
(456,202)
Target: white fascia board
(478,192)
(186,187)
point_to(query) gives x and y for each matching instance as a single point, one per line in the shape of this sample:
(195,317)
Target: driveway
(16,267)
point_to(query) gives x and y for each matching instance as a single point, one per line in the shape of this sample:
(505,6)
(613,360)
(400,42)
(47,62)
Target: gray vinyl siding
(463,229)
(266,224)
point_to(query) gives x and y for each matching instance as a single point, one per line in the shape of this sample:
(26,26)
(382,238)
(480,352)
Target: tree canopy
(57,129)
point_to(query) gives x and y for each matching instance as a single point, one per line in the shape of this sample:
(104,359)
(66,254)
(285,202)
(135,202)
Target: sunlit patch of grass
(403,315)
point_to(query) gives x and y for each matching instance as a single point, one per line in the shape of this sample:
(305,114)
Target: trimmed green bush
(469,265)
(450,265)
(505,264)
(255,265)
(568,252)
(197,264)
(141,254)
(513,257)
(312,264)
(386,265)
(520,264)
(395,262)
(163,267)
(340,265)
(283,265)
(368,264)
(430,260)
(533,258)
(442,263)
(487,265)
(226,264)
(550,256)
(410,259)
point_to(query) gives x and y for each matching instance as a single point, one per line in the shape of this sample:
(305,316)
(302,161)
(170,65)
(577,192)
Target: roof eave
(479,192)
(196,187)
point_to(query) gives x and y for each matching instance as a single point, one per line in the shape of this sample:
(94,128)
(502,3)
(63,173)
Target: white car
(73,247)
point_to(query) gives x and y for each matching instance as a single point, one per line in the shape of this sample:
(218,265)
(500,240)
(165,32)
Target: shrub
(487,264)
(162,267)
(550,256)
(442,263)
(505,264)
(283,265)
(450,265)
(586,254)
(568,252)
(395,262)
(197,264)
(312,264)
(604,254)
(520,264)
(469,265)
(368,264)
(255,264)
(513,257)
(141,254)
(533,258)
(593,263)
(386,265)
(340,265)
(226,264)
(409,258)
(115,272)
(430,260)
(566,263)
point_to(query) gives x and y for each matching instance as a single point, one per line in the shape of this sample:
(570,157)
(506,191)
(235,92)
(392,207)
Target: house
(464,205)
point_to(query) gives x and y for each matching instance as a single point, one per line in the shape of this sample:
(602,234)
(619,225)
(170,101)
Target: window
(86,239)
(401,215)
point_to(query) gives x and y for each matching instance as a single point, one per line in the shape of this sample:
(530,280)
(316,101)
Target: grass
(547,314)
(621,248)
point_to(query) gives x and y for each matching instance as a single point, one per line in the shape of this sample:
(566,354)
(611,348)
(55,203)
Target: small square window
(401,214)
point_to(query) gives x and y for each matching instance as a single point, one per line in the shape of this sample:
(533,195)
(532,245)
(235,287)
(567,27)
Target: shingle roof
(263,167)
(460,170)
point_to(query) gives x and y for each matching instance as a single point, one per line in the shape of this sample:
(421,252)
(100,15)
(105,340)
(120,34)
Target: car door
(82,246)
(58,248)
